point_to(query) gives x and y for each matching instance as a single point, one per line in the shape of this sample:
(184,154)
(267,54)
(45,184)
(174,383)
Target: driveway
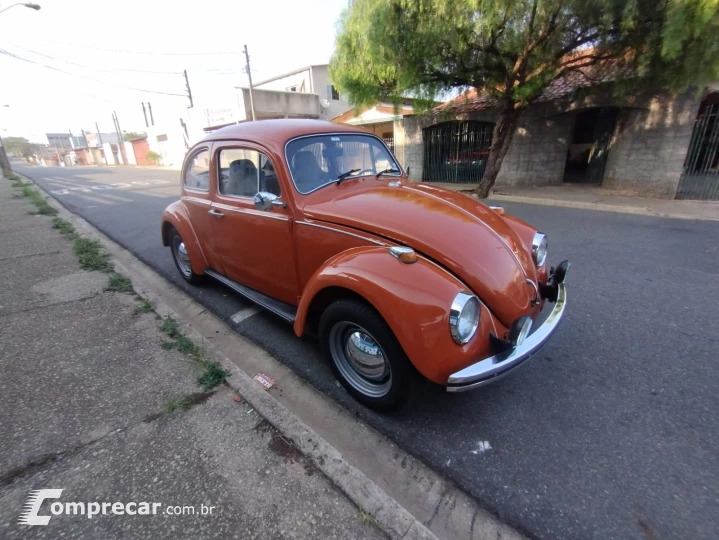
(611,431)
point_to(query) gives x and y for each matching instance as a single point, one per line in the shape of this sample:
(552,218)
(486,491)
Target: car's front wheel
(365,356)
(182,259)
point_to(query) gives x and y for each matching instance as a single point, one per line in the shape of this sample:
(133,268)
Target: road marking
(482,446)
(106,187)
(243,314)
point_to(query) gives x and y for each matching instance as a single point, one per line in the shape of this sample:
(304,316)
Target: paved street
(611,432)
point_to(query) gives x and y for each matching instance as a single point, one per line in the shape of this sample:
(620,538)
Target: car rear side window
(244,173)
(197,173)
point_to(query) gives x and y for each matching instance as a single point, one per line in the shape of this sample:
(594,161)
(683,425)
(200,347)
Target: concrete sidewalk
(590,197)
(87,388)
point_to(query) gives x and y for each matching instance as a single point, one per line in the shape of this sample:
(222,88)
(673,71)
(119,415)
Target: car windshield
(320,160)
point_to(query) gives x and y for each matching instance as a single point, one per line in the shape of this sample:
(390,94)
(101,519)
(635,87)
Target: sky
(74,62)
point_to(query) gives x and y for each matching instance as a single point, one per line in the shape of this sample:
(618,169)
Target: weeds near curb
(367,519)
(36,198)
(65,227)
(119,283)
(213,375)
(91,256)
(145,306)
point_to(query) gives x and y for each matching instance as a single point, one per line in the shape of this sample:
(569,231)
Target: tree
(129,135)
(21,146)
(511,50)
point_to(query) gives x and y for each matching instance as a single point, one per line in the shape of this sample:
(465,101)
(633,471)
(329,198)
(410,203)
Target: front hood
(462,234)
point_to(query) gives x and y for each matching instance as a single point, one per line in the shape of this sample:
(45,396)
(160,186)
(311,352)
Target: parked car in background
(318,224)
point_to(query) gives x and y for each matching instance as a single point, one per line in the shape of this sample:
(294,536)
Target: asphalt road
(610,432)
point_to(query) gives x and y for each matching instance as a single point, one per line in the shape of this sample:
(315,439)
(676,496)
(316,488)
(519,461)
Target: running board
(279,308)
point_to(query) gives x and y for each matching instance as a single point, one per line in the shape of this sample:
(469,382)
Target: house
(378,119)
(312,79)
(654,144)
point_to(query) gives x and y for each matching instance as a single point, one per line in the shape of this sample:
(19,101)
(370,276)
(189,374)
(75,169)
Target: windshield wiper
(390,170)
(344,175)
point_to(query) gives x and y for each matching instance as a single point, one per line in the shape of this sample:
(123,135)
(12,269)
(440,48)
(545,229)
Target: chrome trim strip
(371,135)
(197,200)
(536,242)
(479,221)
(537,297)
(250,294)
(341,231)
(491,369)
(250,211)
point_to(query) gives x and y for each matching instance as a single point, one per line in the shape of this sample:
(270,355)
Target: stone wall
(646,154)
(536,155)
(650,144)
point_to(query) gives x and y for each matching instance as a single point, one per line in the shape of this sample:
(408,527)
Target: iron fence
(700,178)
(457,151)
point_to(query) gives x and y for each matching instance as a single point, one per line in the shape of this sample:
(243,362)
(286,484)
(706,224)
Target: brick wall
(536,155)
(650,144)
(646,154)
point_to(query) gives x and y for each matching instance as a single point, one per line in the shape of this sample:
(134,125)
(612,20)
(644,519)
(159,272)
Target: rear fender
(414,300)
(176,216)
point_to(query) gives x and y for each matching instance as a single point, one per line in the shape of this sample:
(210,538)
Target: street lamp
(36,7)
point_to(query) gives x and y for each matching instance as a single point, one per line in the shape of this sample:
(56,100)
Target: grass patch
(119,283)
(14,177)
(367,519)
(36,198)
(145,306)
(213,373)
(65,227)
(91,256)
(184,402)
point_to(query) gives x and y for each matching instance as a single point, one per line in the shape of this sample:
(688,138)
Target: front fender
(177,216)
(414,300)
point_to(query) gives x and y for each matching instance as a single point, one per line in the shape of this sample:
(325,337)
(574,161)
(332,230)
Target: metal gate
(700,178)
(456,151)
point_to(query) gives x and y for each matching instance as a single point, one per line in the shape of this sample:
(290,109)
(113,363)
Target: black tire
(183,264)
(355,324)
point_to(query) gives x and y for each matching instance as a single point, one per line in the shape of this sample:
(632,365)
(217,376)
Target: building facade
(636,144)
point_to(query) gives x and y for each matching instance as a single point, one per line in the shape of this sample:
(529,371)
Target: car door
(255,245)
(196,196)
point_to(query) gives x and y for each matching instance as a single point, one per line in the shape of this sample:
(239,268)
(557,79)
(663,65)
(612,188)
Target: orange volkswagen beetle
(318,224)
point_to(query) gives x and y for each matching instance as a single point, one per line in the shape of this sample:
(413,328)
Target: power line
(151,53)
(12,55)
(95,67)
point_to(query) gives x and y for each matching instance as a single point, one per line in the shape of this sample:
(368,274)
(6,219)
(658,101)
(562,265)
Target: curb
(392,518)
(602,207)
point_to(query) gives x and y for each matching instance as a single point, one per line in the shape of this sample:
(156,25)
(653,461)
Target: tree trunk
(501,137)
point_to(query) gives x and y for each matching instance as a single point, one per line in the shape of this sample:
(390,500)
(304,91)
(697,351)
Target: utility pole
(249,77)
(144,113)
(102,146)
(149,108)
(120,152)
(187,87)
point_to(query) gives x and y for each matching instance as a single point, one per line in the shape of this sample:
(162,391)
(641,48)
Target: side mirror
(265,201)
(407,171)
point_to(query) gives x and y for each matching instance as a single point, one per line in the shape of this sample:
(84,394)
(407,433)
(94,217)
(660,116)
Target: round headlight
(539,248)
(464,317)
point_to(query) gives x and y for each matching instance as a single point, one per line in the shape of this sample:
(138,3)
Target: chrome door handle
(215,213)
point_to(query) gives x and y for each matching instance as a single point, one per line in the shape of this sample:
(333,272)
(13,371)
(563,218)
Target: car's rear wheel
(182,259)
(365,356)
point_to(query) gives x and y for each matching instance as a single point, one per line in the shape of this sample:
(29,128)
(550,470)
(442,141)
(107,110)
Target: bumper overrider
(495,367)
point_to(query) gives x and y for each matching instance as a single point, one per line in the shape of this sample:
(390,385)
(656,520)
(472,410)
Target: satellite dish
(324,103)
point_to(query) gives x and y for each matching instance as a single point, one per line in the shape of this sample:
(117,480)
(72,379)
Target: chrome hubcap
(360,359)
(183,259)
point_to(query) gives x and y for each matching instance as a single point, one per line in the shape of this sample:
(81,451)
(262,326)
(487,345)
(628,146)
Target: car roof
(278,131)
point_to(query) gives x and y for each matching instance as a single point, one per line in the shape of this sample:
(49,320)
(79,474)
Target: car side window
(244,173)
(197,173)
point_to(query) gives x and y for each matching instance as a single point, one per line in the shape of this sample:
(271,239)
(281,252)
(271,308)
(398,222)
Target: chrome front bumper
(495,367)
